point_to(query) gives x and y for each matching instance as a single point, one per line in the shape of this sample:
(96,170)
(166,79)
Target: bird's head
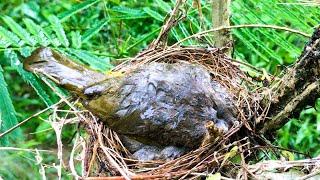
(61,70)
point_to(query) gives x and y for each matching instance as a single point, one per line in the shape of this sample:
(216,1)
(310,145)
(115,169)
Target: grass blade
(155,15)
(91,32)
(144,38)
(166,7)
(75,9)
(128,11)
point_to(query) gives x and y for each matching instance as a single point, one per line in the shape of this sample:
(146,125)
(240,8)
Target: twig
(243,164)
(277,120)
(29,118)
(310,175)
(22,149)
(242,26)
(39,161)
(125,173)
(168,25)
(93,157)
(71,163)
(57,127)
(65,99)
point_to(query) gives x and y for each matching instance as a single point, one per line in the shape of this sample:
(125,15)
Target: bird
(162,105)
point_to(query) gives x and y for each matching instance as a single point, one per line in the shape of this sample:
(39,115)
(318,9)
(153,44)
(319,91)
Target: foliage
(303,134)
(98,32)
(269,48)
(7,115)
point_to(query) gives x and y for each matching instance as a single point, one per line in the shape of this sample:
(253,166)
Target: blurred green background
(98,32)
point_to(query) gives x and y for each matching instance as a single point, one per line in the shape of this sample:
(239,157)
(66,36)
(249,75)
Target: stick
(29,118)
(243,26)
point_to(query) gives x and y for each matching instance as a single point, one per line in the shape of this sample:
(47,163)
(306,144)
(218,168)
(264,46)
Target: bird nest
(101,154)
(105,154)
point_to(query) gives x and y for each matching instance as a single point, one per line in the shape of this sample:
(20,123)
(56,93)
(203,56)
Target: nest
(106,156)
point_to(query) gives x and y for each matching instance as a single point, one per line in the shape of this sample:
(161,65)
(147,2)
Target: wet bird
(158,105)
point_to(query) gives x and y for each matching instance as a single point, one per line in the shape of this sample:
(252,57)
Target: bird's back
(171,103)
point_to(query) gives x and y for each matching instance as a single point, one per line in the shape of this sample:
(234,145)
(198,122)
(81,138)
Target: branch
(170,22)
(298,87)
(281,118)
(220,18)
(243,26)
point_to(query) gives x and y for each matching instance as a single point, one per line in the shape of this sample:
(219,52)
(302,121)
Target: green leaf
(318,122)
(288,155)
(94,61)
(184,32)
(176,35)
(153,14)
(75,9)
(37,31)
(144,38)
(4,43)
(26,76)
(25,51)
(128,17)
(19,31)
(91,32)
(10,37)
(58,29)
(248,44)
(7,114)
(127,11)
(76,39)
(164,6)
(317,105)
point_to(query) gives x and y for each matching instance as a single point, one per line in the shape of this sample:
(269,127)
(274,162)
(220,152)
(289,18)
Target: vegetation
(99,32)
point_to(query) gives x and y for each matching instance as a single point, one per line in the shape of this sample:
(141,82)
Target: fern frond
(76,39)
(28,77)
(4,43)
(101,64)
(278,47)
(7,114)
(10,37)
(37,31)
(19,31)
(58,29)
